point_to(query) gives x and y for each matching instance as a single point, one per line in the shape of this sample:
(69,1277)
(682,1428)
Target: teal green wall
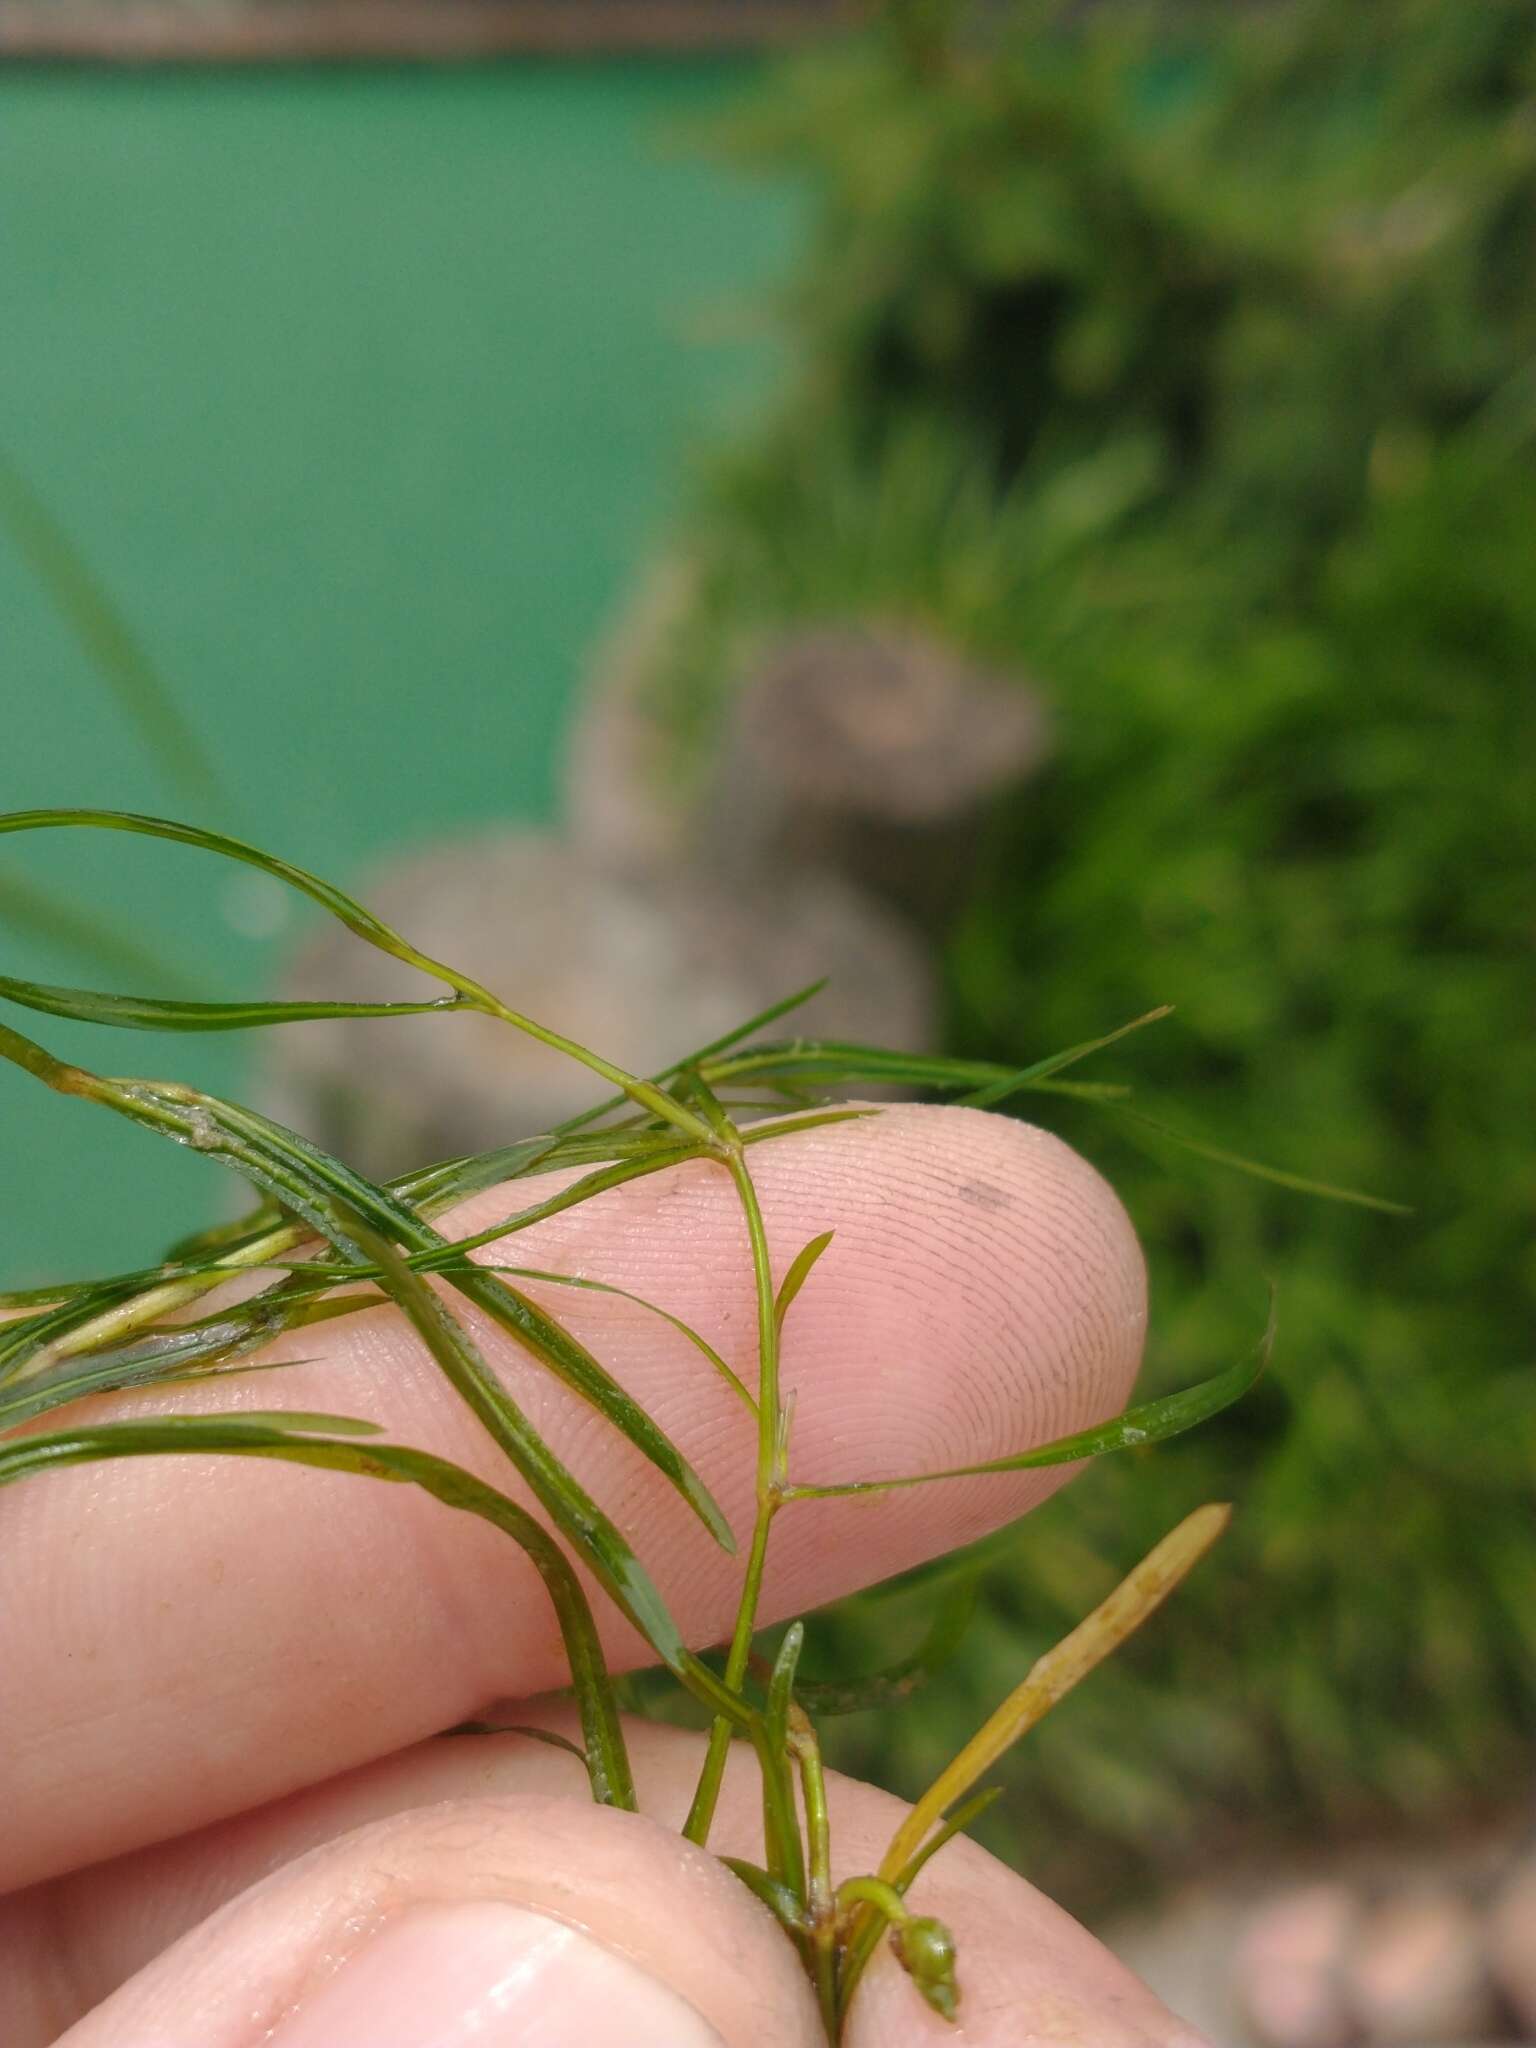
(363,392)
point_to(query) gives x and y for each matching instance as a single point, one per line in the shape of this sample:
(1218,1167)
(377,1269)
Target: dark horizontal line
(441,31)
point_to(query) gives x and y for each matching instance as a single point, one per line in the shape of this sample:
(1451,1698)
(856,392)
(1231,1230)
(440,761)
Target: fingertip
(535,1920)
(984,1292)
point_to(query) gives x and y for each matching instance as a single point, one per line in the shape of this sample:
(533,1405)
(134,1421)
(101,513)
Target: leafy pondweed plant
(161,1327)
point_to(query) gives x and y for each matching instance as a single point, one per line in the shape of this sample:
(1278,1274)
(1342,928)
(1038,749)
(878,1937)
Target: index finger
(187,1638)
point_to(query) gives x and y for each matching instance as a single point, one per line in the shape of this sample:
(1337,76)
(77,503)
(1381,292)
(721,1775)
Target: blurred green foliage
(1188,369)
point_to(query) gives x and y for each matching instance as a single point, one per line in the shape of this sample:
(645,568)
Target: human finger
(193,1637)
(538,1922)
(487,1811)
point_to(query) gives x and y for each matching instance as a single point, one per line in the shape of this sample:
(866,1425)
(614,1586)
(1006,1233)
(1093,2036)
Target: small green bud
(926,1951)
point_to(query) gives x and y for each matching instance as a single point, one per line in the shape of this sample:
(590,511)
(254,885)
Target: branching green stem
(128,1330)
(768,1478)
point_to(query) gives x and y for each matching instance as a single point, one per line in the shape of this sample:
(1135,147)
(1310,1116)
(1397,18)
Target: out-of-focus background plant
(1182,361)
(1174,367)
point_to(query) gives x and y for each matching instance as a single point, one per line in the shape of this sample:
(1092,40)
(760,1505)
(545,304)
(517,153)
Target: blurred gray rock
(642,967)
(832,836)
(865,747)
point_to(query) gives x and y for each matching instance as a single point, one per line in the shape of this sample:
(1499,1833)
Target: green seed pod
(925,1949)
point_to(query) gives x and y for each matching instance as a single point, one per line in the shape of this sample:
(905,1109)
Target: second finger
(462,1818)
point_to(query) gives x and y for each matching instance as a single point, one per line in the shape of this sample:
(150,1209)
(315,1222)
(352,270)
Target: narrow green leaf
(1300,1183)
(1150,1422)
(436,1187)
(364,924)
(787,1126)
(781,1822)
(78,1378)
(719,1045)
(964,1815)
(699,1343)
(1026,1077)
(164,1013)
(739,1032)
(778,1898)
(548,1736)
(297,1421)
(620,1570)
(781,1684)
(151,1436)
(840,1063)
(296,1440)
(898,1681)
(1084,1091)
(54,1294)
(317,1188)
(830,1063)
(215,1238)
(340,905)
(799,1272)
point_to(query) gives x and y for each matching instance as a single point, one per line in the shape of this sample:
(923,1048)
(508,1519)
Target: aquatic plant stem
(656,1100)
(768,1479)
(820,1903)
(379,1244)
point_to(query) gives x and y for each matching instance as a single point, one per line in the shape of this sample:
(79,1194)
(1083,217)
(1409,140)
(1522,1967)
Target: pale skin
(229,1816)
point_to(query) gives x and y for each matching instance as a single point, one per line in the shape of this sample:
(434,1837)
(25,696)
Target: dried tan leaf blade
(1053,1676)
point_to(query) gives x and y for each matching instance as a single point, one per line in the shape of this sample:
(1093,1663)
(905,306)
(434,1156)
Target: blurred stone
(882,721)
(640,967)
(1418,1971)
(835,831)
(1512,1943)
(1215,1950)
(1290,1966)
(873,750)
(867,746)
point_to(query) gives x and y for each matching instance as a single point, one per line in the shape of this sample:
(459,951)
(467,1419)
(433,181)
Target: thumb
(536,1921)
